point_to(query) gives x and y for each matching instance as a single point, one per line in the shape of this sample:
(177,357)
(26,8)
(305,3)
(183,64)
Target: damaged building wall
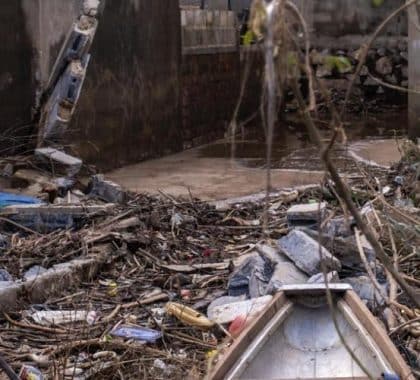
(32,33)
(130,104)
(129,107)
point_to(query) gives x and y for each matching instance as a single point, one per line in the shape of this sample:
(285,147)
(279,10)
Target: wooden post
(413,73)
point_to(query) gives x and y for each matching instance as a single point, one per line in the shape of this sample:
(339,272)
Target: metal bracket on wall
(67,77)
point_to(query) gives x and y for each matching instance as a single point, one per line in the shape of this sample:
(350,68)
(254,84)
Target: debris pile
(96,282)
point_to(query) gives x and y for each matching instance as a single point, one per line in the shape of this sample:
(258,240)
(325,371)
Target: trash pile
(97,282)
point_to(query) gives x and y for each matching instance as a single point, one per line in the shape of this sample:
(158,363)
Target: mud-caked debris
(107,190)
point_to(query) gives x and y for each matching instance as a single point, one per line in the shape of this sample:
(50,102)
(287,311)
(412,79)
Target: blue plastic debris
(390,376)
(137,333)
(8,199)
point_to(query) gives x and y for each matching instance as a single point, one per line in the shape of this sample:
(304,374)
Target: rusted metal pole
(414,72)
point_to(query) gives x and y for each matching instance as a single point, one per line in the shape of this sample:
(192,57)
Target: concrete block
(304,214)
(306,253)
(285,273)
(59,159)
(365,289)
(107,190)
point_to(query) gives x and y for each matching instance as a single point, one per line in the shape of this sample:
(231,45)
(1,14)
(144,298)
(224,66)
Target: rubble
(364,288)
(252,277)
(59,161)
(107,190)
(148,269)
(332,277)
(306,253)
(306,214)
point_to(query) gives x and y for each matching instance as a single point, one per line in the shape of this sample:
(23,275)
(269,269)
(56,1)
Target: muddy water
(208,173)
(373,136)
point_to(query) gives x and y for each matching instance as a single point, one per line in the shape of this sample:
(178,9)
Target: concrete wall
(32,32)
(129,108)
(210,74)
(17,87)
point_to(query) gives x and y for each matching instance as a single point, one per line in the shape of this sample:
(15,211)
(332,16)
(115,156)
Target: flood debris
(107,190)
(230,311)
(306,253)
(59,162)
(306,214)
(164,283)
(141,334)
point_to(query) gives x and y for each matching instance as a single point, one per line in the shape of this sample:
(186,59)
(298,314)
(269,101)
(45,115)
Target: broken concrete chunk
(60,161)
(344,248)
(5,276)
(7,170)
(228,312)
(306,253)
(306,214)
(340,226)
(34,272)
(365,289)
(251,278)
(107,190)
(272,253)
(285,273)
(320,278)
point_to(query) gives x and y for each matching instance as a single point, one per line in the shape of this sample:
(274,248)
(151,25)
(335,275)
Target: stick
(345,194)
(8,370)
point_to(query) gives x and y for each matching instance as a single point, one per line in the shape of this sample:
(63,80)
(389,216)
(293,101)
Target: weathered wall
(210,74)
(129,108)
(48,22)
(32,32)
(17,82)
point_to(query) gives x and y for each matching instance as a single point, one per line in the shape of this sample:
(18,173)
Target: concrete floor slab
(207,178)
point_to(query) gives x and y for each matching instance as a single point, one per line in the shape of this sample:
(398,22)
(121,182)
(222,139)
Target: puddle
(292,148)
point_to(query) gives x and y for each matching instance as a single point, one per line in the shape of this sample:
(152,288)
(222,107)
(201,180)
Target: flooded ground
(209,173)
(292,148)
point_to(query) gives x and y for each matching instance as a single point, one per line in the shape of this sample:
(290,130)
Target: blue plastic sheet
(8,199)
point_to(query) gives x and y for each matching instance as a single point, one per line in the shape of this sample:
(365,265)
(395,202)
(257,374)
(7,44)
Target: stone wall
(210,74)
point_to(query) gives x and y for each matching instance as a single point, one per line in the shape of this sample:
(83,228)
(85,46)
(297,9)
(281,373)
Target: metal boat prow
(295,338)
